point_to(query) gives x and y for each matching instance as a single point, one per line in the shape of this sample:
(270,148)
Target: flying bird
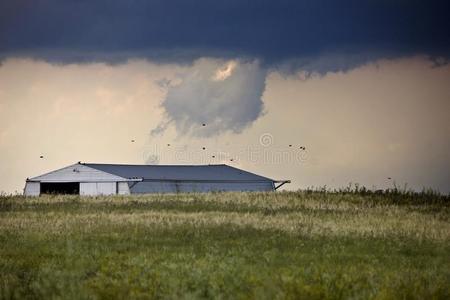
(132,141)
(203,148)
(213,156)
(41,156)
(290,145)
(168,144)
(203,124)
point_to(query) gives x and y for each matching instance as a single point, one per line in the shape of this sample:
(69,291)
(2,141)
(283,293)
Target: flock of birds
(203,148)
(231,159)
(303,148)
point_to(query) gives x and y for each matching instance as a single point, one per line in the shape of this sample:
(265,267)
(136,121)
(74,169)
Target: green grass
(288,245)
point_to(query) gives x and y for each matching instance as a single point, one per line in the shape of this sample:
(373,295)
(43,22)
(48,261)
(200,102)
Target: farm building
(110,179)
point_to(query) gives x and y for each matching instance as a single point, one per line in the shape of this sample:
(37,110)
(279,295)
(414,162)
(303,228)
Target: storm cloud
(213,97)
(273,32)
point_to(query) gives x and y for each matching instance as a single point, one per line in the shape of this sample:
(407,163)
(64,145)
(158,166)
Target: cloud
(152,159)
(214,96)
(67,31)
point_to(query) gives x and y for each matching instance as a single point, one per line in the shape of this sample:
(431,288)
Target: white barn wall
(92,181)
(123,188)
(98,188)
(106,188)
(88,188)
(32,189)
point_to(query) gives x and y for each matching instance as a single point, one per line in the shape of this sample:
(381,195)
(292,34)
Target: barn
(92,179)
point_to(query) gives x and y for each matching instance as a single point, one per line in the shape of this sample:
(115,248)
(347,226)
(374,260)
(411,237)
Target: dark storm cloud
(182,30)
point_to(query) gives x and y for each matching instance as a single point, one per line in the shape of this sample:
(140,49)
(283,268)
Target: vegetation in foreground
(314,245)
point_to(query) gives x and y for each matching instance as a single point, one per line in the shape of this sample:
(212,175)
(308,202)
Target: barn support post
(281,183)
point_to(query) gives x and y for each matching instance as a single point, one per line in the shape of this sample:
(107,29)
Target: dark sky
(181,30)
(173,65)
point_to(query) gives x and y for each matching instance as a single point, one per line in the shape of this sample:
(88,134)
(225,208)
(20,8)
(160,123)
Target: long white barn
(110,179)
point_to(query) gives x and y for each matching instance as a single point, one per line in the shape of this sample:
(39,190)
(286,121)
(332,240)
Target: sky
(363,86)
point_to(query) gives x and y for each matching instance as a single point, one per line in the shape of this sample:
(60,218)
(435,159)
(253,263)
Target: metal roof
(179,172)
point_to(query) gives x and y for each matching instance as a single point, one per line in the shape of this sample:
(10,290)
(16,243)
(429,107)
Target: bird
(132,141)
(203,124)
(290,145)
(213,156)
(231,159)
(203,148)
(168,144)
(389,178)
(41,156)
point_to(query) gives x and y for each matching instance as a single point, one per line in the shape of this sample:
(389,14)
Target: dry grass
(226,245)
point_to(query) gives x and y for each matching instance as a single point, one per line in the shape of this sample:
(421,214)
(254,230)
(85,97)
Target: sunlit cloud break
(225,72)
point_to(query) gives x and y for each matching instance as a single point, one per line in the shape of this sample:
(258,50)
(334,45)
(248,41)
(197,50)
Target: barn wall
(88,188)
(32,189)
(98,188)
(78,173)
(152,187)
(107,188)
(123,188)
(192,187)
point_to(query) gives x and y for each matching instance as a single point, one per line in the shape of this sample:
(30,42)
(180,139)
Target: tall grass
(352,243)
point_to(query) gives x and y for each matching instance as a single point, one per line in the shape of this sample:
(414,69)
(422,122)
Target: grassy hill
(312,244)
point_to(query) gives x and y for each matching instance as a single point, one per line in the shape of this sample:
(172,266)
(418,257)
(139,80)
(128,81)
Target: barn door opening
(70,188)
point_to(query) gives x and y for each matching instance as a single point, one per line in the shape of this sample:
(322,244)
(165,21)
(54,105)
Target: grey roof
(179,172)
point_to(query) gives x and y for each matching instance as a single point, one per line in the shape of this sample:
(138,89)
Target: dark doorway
(72,188)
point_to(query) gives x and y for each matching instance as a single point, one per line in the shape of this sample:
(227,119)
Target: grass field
(287,245)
